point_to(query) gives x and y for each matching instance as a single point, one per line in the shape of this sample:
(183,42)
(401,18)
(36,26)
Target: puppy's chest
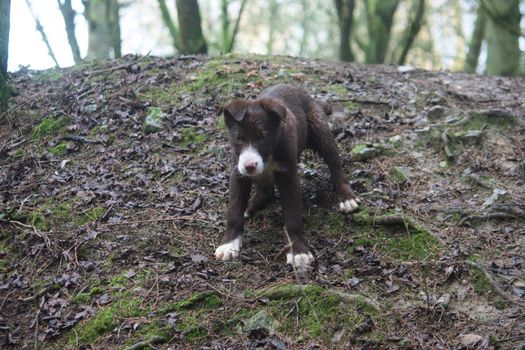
(271,168)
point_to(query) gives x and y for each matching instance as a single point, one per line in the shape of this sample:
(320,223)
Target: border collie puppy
(267,136)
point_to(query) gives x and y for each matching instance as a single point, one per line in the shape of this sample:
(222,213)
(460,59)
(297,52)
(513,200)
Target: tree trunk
(413,29)
(345,12)
(502,35)
(5,11)
(191,38)
(69,19)
(380,16)
(104,29)
(474,47)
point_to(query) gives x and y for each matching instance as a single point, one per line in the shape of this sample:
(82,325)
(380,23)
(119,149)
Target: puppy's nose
(250,166)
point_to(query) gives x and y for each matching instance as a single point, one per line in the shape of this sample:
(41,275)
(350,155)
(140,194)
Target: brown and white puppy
(267,137)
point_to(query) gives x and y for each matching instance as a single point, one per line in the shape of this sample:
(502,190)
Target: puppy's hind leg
(321,140)
(263,196)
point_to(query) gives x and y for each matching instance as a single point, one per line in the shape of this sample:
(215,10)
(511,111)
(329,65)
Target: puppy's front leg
(239,193)
(291,204)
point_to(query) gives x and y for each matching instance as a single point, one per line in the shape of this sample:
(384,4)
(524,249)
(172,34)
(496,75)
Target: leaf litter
(96,214)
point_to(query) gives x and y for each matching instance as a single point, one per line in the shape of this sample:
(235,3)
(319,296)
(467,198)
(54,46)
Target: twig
(50,288)
(79,139)
(156,339)
(40,28)
(172,218)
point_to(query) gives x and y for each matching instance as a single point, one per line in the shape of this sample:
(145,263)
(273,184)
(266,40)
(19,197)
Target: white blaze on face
(250,157)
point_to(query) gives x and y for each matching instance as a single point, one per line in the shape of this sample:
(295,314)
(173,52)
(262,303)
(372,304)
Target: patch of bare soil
(108,225)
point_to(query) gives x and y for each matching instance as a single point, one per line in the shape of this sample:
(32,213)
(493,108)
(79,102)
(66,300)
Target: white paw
(228,251)
(299,260)
(349,205)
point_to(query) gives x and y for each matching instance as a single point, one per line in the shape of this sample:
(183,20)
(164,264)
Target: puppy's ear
(275,108)
(235,111)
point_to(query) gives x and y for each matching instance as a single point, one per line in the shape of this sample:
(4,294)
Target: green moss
(480,121)
(118,281)
(59,150)
(312,312)
(398,242)
(50,126)
(90,216)
(84,297)
(59,216)
(194,313)
(191,137)
(480,283)
(196,301)
(105,320)
(399,174)
(52,74)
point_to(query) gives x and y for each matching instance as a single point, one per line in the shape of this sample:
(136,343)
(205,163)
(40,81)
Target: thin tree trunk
(305,25)
(345,12)
(233,34)
(502,34)
(69,20)
(474,47)
(192,39)
(166,17)
(40,29)
(113,18)
(274,12)
(413,29)
(5,11)
(380,19)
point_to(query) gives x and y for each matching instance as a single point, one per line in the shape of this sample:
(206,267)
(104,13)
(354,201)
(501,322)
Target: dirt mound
(113,185)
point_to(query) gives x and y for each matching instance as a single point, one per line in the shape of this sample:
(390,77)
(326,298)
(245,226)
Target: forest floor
(108,227)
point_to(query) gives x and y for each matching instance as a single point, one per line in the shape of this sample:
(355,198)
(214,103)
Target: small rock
(497,196)
(400,174)
(470,137)
(436,113)
(470,339)
(519,284)
(365,152)
(443,300)
(154,119)
(260,323)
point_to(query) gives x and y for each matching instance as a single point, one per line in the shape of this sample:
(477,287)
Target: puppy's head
(254,129)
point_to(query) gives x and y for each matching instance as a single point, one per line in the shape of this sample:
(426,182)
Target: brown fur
(280,124)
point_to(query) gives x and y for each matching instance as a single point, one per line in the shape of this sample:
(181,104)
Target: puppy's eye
(239,138)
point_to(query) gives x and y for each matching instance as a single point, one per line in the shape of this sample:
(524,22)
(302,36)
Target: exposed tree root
(289,291)
(497,289)
(497,211)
